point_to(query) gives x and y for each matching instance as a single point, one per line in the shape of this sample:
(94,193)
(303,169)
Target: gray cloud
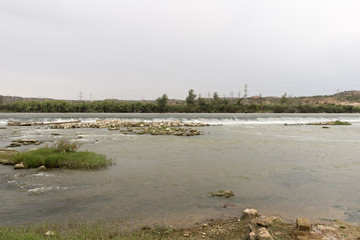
(134,49)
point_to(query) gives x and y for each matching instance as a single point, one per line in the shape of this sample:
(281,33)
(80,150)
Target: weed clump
(67,146)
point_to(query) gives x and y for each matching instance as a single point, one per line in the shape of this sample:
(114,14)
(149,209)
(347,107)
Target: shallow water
(290,171)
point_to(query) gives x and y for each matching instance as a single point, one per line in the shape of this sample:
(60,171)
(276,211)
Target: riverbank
(251,225)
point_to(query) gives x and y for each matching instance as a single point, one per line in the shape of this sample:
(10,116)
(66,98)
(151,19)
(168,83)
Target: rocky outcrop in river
(117,124)
(176,128)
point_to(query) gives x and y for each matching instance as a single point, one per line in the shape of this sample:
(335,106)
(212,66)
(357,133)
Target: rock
(250,213)
(268,221)
(18,143)
(303,224)
(263,234)
(42,168)
(222,193)
(15,144)
(187,234)
(252,236)
(19,166)
(50,233)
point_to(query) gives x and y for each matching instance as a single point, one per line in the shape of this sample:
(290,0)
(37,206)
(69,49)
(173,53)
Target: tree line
(192,104)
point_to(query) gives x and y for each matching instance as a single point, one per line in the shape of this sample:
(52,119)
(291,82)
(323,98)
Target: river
(290,171)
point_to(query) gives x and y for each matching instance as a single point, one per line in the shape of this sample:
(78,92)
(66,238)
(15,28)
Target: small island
(63,154)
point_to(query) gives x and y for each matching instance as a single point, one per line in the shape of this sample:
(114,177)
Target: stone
(187,234)
(268,221)
(50,233)
(252,236)
(15,144)
(19,166)
(263,234)
(250,213)
(303,224)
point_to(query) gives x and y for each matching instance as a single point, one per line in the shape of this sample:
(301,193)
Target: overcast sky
(140,49)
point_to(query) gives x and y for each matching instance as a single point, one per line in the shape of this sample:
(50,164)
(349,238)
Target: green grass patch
(51,158)
(338,122)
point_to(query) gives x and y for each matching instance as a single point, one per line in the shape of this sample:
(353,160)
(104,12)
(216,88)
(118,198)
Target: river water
(290,171)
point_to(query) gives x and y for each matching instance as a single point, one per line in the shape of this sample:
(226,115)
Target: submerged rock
(15,144)
(222,193)
(19,142)
(41,168)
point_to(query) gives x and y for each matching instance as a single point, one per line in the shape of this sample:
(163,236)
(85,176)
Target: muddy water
(289,171)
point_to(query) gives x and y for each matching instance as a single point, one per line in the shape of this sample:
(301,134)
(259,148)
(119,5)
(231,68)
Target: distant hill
(11,99)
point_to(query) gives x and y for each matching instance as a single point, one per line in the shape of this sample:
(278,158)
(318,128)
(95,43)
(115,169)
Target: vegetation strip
(344,102)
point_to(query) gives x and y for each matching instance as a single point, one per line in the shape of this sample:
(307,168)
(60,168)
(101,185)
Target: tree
(190,99)
(162,102)
(284,99)
(215,97)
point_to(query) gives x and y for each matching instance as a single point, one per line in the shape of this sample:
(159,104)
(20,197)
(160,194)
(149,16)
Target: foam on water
(41,174)
(214,119)
(270,120)
(43,189)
